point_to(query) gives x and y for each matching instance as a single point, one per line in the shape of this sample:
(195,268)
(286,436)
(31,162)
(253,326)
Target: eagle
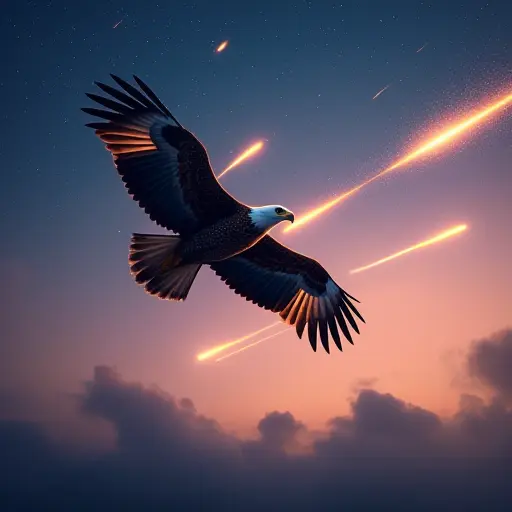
(167,171)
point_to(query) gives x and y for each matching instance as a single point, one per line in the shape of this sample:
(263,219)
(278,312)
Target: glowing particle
(222,46)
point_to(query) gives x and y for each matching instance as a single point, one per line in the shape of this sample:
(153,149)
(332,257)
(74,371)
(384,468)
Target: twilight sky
(301,75)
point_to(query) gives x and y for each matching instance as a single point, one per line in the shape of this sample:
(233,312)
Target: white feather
(265,217)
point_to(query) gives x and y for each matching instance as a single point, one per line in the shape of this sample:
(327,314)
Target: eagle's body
(167,171)
(224,239)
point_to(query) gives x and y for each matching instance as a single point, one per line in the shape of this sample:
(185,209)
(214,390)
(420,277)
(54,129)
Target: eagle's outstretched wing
(299,288)
(164,167)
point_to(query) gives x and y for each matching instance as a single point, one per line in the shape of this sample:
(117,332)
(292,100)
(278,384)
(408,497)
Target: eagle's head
(266,217)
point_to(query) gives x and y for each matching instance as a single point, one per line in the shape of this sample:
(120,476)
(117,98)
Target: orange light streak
(248,153)
(208,354)
(424,149)
(448,233)
(222,46)
(234,353)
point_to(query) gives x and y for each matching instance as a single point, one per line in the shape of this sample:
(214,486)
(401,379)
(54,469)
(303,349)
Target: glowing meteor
(421,245)
(440,237)
(248,153)
(234,353)
(381,91)
(436,142)
(422,48)
(208,354)
(222,46)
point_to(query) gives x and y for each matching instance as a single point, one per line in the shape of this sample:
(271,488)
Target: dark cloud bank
(386,455)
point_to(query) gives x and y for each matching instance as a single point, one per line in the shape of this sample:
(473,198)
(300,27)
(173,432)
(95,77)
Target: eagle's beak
(290,217)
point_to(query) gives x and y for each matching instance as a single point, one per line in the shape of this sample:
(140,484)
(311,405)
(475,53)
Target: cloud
(489,361)
(382,425)
(167,456)
(279,430)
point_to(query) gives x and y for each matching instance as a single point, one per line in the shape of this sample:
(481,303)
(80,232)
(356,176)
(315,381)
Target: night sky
(103,405)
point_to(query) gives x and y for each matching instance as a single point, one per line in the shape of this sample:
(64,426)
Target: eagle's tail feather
(155,264)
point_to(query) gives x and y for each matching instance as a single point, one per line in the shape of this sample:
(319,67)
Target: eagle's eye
(280,211)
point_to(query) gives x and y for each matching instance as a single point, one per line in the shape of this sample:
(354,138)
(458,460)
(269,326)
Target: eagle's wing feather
(297,287)
(164,167)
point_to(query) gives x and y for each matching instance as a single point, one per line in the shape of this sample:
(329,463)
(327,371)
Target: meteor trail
(222,46)
(436,142)
(448,233)
(208,354)
(251,151)
(381,91)
(234,353)
(118,23)
(422,48)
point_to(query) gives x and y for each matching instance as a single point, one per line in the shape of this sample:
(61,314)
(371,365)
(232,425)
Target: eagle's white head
(266,217)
